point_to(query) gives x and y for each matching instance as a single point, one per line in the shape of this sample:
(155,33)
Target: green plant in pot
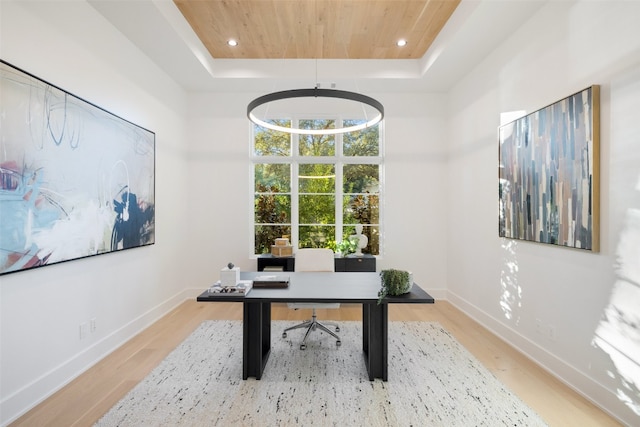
(394,282)
(346,247)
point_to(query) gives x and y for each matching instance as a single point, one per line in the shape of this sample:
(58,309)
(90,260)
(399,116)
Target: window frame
(338,160)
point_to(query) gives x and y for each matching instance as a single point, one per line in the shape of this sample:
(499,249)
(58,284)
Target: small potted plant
(394,282)
(346,247)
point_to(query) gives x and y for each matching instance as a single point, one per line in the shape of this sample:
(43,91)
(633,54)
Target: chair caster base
(284,335)
(338,343)
(303,346)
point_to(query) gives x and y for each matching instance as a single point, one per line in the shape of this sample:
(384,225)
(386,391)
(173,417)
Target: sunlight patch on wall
(511,297)
(509,116)
(618,333)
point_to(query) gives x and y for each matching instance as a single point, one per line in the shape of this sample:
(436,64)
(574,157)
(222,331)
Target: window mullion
(339,200)
(295,206)
(339,184)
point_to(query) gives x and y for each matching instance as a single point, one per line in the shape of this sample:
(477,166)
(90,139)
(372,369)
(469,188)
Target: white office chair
(317,260)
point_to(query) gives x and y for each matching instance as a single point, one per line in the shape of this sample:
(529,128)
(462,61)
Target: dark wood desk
(361,288)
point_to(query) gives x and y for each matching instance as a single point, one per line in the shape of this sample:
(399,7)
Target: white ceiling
(160,31)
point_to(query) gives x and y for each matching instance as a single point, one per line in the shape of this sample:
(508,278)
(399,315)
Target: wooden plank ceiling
(317,29)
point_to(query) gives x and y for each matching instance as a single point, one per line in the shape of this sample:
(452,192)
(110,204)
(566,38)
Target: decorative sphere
(230,265)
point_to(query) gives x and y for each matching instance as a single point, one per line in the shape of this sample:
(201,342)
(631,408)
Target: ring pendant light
(315,93)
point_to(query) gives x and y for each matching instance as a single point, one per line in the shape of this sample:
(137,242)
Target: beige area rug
(433,381)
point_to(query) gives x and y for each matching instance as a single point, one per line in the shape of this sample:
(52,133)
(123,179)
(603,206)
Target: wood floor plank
(92,394)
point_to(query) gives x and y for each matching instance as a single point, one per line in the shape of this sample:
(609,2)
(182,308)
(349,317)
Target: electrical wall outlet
(84,329)
(93,325)
(539,326)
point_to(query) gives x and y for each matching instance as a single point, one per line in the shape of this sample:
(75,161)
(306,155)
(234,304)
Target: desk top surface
(323,287)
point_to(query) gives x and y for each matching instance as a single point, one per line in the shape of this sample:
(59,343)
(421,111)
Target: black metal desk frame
(257,322)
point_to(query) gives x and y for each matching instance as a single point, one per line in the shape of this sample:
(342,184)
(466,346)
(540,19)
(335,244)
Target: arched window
(314,189)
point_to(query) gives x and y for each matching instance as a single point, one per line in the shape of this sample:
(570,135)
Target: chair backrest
(314,259)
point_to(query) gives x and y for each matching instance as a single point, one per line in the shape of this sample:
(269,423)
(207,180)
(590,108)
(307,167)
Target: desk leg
(375,339)
(256,338)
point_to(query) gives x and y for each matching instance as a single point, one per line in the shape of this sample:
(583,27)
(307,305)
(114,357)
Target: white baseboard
(581,383)
(43,387)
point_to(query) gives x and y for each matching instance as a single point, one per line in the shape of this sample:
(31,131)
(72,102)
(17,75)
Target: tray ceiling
(321,29)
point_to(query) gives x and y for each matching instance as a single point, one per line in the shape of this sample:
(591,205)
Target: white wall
(415,192)
(508,285)
(71,46)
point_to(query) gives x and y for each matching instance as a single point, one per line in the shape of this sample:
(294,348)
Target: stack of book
(282,248)
(271,282)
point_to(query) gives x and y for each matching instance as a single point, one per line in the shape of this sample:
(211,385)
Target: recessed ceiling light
(232,42)
(401,42)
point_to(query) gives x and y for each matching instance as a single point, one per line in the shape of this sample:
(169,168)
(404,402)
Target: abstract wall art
(75,180)
(549,173)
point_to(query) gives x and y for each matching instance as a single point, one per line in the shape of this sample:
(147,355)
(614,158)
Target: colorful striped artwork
(549,174)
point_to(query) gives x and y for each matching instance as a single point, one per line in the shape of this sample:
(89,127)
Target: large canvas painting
(75,180)
(549,173)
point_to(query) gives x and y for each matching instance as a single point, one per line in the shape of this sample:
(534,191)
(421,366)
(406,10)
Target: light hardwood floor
(88,397)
